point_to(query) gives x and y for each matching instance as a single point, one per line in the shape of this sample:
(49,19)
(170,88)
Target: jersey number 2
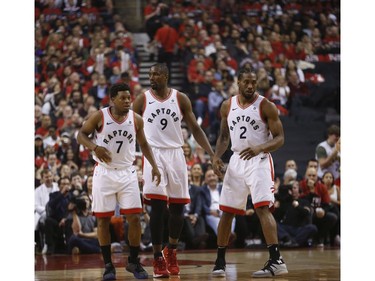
(243,136)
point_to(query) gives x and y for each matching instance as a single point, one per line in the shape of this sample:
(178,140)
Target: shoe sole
(269,274)
(218,273)
(138,276)
(109,277)
(160,275)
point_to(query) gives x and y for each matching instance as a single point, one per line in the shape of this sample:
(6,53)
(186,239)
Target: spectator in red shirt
(316,193)
(153,13)
(43,130)
(166,38)
(91,11)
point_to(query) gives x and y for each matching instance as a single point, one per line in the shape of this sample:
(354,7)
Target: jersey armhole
(135,122)
(229,106)
(100,129)
(144,103)
(178,102)
(261,111)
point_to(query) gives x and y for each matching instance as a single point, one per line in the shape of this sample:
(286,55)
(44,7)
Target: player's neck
(119,116)
(245,101)
(162,93)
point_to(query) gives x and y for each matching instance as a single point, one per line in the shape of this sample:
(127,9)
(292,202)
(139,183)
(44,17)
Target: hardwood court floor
(303,264)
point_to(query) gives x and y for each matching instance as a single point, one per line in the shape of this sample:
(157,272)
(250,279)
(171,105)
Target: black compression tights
(176,220)
(158,214)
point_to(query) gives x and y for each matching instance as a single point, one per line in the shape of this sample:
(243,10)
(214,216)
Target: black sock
(157,255)
(133,253)
(221,252)
(274,252)
(106,253)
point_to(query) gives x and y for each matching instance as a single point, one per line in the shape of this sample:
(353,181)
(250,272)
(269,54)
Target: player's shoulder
(97,115)
(182,97)
(139,101)
(266,105)
(179,93)
(136,115)
(226,103)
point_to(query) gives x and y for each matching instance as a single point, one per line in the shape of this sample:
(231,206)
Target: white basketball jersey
(334,168)
(119,138)
(162,120)
(246,126)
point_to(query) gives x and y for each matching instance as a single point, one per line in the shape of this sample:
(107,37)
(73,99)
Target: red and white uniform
(255,176)
(162,127)
(117,180)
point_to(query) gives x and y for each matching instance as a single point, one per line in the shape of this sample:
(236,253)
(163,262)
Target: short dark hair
(333,130)
(45,171)
(312,160)
(74,174)
(245,70)
(162,67)
(117,88)
(63,178)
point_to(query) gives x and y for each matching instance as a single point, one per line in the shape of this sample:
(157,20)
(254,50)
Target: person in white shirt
(41,199)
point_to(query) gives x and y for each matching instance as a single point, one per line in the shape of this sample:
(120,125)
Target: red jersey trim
(131,211)
(135,123)
(144,104)
(113,118)
(244,107)
(146,201)
(261,204)
(271,166)
(103,214)
(231,210)
(229,106)
(158,99)
(178,103)
(156,196)
(102,126)
(179,200)
(261,111)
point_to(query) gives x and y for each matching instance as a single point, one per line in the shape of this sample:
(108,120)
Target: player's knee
(176,209)
(133,219)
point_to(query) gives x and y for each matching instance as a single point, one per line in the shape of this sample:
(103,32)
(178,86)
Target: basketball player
(163,109)
(252,124)
(115,179)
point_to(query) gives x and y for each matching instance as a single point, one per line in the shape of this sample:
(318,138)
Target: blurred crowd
(82,47)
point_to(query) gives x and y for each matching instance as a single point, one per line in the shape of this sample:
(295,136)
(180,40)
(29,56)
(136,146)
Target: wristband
(95,148)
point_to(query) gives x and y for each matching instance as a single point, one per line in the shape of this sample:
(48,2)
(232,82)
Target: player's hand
(319,212)
(103,154)
(250,212)
(249,153)
(218,166)
(156,176)
(338,145)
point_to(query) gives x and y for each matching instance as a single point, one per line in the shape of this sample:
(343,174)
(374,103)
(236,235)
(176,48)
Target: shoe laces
(269,265)
(159,262)
(138,265)
(172,258)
